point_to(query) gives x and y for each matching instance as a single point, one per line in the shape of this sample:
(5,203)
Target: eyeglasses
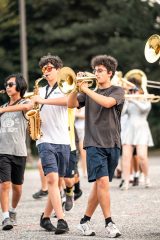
(47,68)
(10,84)
(99,70)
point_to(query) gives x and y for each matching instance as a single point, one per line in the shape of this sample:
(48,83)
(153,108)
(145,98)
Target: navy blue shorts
(101,162)
(12,168)
(54,157)
(72,167)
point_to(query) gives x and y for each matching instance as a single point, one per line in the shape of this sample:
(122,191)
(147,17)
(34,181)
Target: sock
(13,210)
(69,191)
(85,219)
(108,220)
(46,191)
(131,177)
(5,215)
(77,187)
(136,174)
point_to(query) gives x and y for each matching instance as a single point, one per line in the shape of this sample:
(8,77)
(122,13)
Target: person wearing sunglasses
(102,138)
(13,151)
(54,144)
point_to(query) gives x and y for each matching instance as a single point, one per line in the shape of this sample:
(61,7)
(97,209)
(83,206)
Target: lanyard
(48,94)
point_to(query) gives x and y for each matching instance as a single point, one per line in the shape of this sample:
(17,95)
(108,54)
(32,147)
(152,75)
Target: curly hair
(55,60)
(108,61)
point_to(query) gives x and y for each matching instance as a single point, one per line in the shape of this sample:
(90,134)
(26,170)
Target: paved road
(136,211)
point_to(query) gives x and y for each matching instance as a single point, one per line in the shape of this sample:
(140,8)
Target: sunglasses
(10,84)
(47,68)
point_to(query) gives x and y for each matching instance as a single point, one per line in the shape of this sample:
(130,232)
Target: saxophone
(33,116)
(2,91)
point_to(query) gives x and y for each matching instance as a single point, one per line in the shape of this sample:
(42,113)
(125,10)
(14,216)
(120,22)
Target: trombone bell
(139,76)
(152,48)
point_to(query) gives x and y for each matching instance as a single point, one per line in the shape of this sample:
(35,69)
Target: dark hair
(55,60)
(109,62)
(135,81)
(21,85)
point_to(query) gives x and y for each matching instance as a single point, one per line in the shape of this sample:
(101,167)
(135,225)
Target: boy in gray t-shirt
(13,150)
(102,138)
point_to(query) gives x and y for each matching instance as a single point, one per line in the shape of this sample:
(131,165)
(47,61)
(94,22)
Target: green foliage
(76,30)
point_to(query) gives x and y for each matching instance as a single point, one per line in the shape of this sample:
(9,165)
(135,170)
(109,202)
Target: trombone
(150,97)
(141,78)
(152,48)
(67,80)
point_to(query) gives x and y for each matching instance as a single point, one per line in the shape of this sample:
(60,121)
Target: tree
(77,30)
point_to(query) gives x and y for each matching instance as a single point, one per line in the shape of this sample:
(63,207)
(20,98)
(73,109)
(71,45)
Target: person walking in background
(43,192)
(102,138)
(79,125)
(137,134)
(13,151)
(71,169)
(54,144)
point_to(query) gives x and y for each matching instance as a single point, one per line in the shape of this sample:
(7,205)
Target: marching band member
(54,144)
(102,138)
(79,126)
(13,151)
(136,134)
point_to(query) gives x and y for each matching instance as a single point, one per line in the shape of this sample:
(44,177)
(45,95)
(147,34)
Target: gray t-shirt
(102,125)
(13,127)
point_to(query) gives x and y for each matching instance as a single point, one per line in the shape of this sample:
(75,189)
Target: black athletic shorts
(12,169)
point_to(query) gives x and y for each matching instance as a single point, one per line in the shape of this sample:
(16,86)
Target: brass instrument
(118,80)
(150,97)
(67,80)
(139,76)
(33,116)
(2,91)
(141,79)
(28,95)
(152,48)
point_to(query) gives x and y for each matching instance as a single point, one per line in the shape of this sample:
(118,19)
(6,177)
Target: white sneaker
(141,179)
(147,182)
(112,231)
(86,229)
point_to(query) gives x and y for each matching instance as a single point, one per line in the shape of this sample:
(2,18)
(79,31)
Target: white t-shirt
(80,122)
(54,120)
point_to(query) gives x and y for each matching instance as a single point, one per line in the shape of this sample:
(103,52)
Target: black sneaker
(46,224)
(121,183)
(77,194)
(135,181)
(40,194)
(62,227)
(7,224)
(69,204)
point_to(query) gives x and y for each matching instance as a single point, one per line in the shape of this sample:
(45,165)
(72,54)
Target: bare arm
(62,101)
(104,101)
(72,100)
(16,108)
